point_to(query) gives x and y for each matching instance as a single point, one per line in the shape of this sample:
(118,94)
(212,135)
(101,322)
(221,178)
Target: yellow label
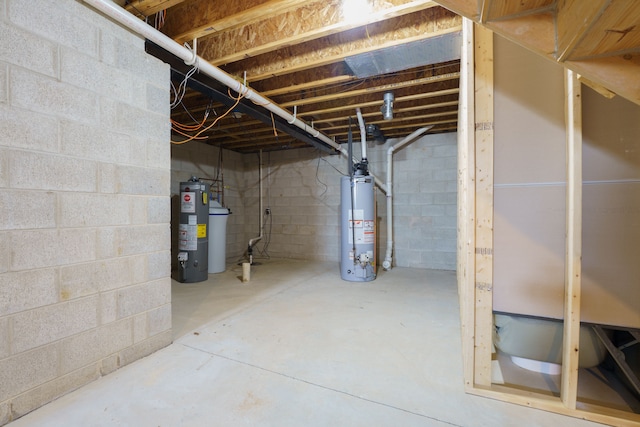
(205,198)
(202,231)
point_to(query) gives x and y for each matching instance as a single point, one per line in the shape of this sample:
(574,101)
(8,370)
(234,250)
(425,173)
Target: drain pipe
(257,239)
(125,18)
(386,264)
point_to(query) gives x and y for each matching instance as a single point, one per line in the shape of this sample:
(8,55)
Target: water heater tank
(193,244)
(357,228)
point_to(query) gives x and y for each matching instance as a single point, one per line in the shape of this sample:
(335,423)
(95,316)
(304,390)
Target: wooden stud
(573,273)
(484,205)
(466,201)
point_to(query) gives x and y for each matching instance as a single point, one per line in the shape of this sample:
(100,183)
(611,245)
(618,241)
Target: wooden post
(573,259)
(466,201)
(484,205)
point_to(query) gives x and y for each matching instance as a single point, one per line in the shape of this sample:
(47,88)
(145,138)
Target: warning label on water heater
(187,237)
(359,228)
(188,202)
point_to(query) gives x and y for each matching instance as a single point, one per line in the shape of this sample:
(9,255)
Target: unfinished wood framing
(599,39)
(475,247)
(466,200)
(484,205)
(573,265)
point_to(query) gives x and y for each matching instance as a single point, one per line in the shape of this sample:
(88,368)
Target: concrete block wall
(84,201)
(302,189)
(202,160)
(424,200)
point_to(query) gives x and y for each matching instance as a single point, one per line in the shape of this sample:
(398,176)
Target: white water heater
(193,244)
(357,228)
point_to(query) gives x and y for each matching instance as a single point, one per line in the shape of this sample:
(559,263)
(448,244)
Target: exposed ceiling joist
(303,54)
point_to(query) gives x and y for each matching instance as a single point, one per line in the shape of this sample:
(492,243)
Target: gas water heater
(357,227)
(193,245)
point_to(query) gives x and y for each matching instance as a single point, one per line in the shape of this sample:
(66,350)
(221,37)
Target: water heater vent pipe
(363,134)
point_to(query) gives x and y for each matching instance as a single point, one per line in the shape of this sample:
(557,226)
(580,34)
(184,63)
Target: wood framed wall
(475,237)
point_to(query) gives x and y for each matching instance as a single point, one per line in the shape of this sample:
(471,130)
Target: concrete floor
(297,346)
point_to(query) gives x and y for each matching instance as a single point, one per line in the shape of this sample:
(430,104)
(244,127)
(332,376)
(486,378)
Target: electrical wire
(326,187)
(201,131)
(178,94)
(159,19)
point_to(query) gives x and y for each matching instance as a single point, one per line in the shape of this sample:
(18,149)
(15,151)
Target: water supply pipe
(120,15)
(386,264)
(257,239)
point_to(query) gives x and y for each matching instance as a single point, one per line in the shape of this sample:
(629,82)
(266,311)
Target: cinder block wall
(302,189)
(84,201)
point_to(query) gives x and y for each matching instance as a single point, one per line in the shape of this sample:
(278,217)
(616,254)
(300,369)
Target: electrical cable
(326,187)
(197,135)
(178,94)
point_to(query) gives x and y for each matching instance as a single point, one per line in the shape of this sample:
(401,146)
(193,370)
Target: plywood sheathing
(309,22)
(197,18)
(506,9)
(615,31)
(598,39)
(416,26)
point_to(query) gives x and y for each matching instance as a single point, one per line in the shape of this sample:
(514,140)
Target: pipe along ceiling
(218,92)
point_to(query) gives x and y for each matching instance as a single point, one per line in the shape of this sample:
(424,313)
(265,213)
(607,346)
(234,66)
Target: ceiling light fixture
(356,10)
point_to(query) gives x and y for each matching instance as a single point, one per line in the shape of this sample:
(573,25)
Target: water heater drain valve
(183,257)
(363,259)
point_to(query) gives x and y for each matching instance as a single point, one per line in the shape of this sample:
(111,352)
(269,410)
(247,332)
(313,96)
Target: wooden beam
(398,100)
(296,26)
(331,49)
(508,9)
(534,32)
(309,85)
(374,89)
(619,74)
(466,202)
(573,256)
(600,89)
(484,205)
(144,8)
(396,111)
(467,8)
(599,414)
(197,18)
